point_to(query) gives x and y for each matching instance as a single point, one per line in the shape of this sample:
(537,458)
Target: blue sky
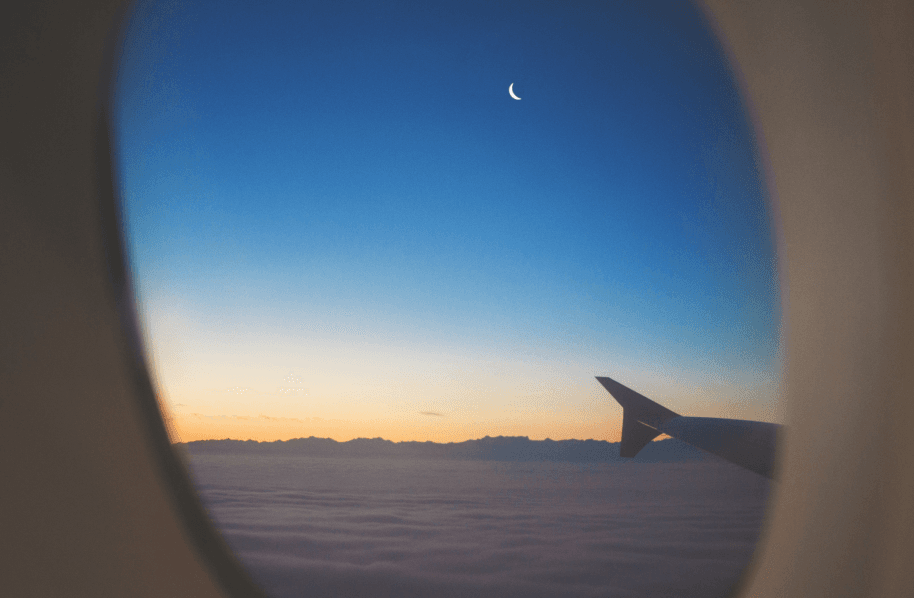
(345,192)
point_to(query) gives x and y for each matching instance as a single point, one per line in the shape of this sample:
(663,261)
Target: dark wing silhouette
(748,444)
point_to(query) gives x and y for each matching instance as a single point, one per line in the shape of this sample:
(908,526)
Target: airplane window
(381,251)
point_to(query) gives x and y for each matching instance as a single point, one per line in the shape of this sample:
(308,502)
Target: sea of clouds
(324,526)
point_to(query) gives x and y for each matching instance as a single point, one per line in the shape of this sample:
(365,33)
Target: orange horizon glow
(582,412)
(195,426)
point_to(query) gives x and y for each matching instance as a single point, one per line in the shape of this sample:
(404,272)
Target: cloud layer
(378,527)
(500,448)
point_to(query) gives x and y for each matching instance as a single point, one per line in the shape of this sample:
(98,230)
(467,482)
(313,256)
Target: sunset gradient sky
(341,225)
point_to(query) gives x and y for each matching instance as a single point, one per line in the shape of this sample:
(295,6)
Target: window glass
(383,248)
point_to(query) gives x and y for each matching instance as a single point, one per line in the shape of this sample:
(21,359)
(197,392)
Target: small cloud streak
(431,413)
(251,418)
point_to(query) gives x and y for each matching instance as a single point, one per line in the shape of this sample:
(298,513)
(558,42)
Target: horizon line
(658,439)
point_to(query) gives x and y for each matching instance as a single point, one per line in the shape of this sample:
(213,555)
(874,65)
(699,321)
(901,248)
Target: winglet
(640,416)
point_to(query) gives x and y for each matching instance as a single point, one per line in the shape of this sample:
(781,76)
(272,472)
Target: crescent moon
(511,91)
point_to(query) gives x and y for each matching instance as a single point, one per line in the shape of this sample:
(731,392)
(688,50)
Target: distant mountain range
(500,448)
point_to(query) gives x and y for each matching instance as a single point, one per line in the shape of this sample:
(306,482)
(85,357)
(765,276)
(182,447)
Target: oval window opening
(383,250)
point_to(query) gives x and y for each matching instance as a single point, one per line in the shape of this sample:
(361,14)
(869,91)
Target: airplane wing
(748,444)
